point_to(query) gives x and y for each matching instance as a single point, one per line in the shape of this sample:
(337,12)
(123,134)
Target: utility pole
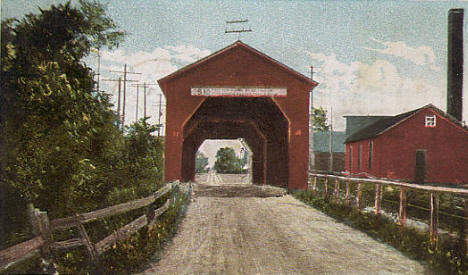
(160,104)
(237,30)
(118,102)
(159,115)
(98,67)
(124,90)
(98,74)
(330,142)
(119,97)
(136,108)
(144,97)
(137,99)
(311,125)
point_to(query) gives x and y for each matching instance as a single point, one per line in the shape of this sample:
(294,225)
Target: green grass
(124,257)
(448,257)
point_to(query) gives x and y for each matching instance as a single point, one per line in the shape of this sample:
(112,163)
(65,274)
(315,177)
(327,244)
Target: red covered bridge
(239,92)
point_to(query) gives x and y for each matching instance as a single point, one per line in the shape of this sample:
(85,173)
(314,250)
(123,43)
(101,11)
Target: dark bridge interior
(258,120)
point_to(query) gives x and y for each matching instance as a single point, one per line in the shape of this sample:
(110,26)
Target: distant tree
(244,159)
(227,162)
(319,119)
(201,163)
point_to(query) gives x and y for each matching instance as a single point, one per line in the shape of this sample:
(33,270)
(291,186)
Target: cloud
(150,66)
(376,89)
(422,55)
(188,53)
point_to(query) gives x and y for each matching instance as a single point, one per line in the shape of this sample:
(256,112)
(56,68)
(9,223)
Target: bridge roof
(237,44)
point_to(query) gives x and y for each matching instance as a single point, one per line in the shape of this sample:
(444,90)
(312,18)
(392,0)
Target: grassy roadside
(132,255)
(125,257)
(447,258)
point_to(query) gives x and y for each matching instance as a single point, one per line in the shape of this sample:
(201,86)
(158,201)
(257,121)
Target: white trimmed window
(430,121)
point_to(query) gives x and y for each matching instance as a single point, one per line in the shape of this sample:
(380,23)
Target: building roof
(355,123)
(322,140)
(237,44)
(385,124)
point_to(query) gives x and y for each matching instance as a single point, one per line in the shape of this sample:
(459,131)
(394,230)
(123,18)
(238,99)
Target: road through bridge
(242,228)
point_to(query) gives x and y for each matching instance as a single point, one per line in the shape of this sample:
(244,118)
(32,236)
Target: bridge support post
(434,218)
(378,199)
(402,211)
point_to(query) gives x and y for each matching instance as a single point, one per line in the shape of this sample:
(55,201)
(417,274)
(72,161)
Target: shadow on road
(237,190)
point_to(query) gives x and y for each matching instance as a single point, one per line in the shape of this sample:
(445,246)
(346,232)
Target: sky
(369,57)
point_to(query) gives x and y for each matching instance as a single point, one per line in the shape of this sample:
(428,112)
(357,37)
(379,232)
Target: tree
(201,163)
(227,161)
(58,138)
(319,119)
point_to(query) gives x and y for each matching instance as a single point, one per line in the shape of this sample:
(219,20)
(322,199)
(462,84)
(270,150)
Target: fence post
(465,227)
(359,198)
(347,193)
(402,211)
(90,247)
(41,227)
(326,187)
(378,199)
(434,218)
(314,185)
(337,190)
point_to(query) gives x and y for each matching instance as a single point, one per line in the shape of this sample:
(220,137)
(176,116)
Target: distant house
(423,145)
(322,150)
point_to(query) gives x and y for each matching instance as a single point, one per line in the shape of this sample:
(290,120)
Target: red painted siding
(446,148)
(238,67)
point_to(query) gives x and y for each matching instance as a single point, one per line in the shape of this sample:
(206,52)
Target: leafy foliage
(227,162)
(319,119)
(201,163)
(61,149)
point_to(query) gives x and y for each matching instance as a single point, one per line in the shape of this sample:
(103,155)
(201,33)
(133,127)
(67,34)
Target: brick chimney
(455,63)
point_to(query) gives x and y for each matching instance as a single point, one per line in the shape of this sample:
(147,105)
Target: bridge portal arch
(239,92)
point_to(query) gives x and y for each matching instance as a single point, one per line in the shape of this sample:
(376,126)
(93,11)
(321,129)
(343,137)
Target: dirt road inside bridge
(246,229)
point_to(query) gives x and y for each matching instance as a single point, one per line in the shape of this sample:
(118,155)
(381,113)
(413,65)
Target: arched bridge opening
(257,120)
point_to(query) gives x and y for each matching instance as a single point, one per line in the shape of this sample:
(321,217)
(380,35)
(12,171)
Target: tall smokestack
(455,63)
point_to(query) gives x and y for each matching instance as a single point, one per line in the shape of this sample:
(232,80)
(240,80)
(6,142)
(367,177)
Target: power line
(124,90)
(160,104)
(119,101)
(237,29)
(144,96)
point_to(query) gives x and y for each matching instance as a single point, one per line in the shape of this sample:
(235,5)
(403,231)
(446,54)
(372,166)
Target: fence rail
(404,187)
(43,229)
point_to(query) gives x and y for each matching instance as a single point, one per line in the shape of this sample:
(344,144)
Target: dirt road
(246,229)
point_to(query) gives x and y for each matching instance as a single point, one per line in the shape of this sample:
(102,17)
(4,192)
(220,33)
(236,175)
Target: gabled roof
(237,44)
(384,124)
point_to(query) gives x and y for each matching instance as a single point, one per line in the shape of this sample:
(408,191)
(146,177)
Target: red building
(239,92)
(423,145)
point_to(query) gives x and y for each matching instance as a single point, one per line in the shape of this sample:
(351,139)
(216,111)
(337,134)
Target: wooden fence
(43,229)
(404,187)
